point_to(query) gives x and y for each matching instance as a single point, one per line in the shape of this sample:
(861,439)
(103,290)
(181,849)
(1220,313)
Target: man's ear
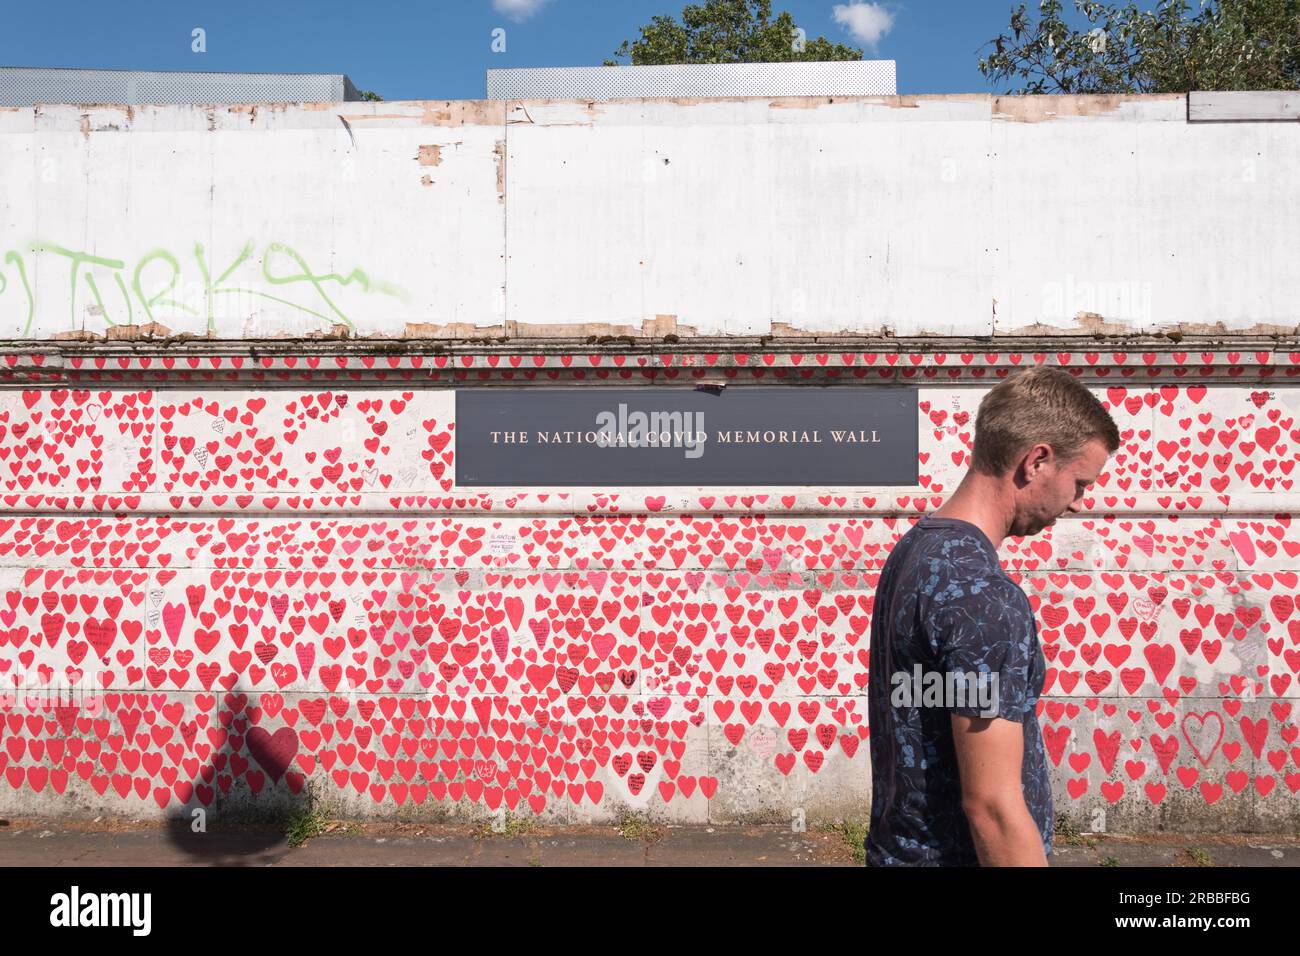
(1035,457)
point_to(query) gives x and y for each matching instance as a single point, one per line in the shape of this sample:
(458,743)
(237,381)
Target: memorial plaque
(736,436)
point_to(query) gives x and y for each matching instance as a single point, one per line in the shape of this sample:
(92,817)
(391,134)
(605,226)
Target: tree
(1221,45)
(728,31)
(371,96)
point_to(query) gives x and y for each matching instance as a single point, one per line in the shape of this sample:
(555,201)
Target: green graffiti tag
(148,302)
(78,259)
(15,260)
(318,281)
(155,283)
(209,289)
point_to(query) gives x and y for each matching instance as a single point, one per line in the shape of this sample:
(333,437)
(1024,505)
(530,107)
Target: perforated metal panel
(833,78)
(27,86)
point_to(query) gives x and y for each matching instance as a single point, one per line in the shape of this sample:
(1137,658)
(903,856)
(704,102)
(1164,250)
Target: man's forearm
(1005,834)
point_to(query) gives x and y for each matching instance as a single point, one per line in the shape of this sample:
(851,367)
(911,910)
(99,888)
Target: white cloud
(517,9)
(868,22)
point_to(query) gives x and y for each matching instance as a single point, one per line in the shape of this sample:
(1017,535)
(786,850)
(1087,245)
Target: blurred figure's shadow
(223,823)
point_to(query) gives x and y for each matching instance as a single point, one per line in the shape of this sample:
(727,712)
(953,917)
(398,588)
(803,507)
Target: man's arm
(986,630)
(989,751)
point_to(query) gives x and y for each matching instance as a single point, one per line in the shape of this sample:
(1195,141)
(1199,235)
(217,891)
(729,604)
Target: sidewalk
(29,842)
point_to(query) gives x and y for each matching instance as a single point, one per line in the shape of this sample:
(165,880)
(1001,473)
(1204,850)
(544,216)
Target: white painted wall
(948,215)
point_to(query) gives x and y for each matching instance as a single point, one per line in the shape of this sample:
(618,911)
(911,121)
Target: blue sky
(439,49)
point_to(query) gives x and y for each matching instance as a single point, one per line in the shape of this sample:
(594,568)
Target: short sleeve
(983,635)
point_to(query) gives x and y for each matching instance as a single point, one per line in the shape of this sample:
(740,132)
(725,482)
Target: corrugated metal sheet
(838,78)
(27,86)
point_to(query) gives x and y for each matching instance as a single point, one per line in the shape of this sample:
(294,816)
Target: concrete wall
(965,215)
(260,552)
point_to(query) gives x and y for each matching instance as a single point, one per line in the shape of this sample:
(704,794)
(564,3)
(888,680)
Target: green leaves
(1176,47)
(728,31)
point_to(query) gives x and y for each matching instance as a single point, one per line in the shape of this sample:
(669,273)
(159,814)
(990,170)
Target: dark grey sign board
(794,435)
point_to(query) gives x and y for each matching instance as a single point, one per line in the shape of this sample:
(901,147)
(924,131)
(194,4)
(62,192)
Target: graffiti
(15,261)
(169,288)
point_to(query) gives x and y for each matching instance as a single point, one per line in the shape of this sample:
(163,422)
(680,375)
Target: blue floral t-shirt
(944,603)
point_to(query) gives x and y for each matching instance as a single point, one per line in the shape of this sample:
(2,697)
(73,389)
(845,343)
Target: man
(963,781)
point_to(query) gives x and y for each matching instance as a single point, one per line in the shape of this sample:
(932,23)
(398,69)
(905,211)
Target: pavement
(52,843)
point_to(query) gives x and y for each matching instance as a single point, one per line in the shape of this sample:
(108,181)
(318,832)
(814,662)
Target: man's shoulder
(952,541)
(950,555)
(981,596)
(973,590)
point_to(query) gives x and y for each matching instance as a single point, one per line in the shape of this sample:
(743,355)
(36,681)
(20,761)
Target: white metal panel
(1149,225)
(946,215)
(249,233)
(1243,106)
(21,167)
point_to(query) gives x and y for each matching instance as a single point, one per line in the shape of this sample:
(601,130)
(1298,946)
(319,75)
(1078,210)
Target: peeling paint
(590,109)
(785,329)
(126,108)
(463,112)
(1037,108)
(659,327)
(799,102)
(87,125)
(450,330)
(898,101)
(440,112)
(132,332)
(429,156)
(908,102)
(277,106)
(656,328)
(1090,323)
(75,335)
(362,117)
(499,156)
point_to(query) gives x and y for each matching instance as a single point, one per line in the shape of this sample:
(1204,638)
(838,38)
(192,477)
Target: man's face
(1049,486)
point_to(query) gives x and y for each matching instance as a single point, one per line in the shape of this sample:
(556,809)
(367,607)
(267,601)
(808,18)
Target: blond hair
(1040,404)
